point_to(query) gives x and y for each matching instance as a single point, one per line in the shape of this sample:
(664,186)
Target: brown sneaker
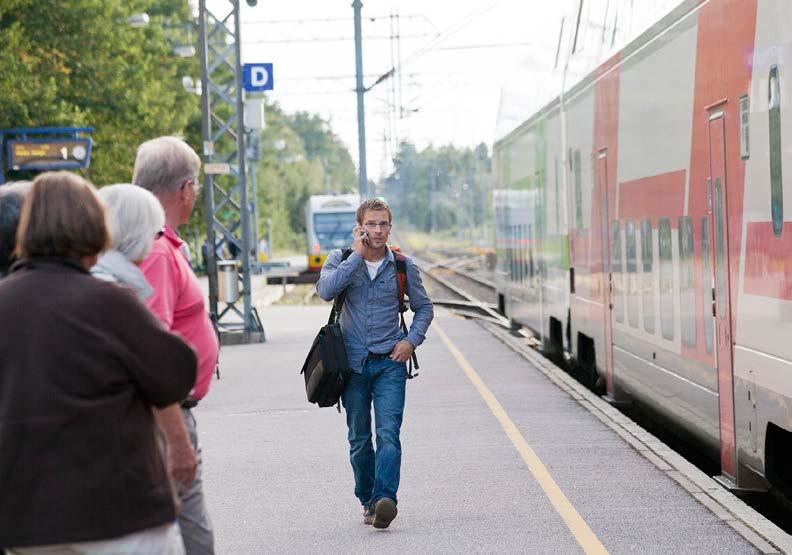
(384,512)
(368,514)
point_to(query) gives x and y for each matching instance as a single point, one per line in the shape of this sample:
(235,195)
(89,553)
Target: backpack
(326,368)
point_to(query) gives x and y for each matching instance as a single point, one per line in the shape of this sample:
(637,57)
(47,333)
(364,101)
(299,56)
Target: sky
(455,58)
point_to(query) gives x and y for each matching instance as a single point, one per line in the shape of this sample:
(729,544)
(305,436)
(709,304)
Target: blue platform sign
(257,77)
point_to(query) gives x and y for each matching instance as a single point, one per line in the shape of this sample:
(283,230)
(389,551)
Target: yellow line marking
(583,534)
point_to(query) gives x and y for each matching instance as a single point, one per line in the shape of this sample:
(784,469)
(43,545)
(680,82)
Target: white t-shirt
(373,267)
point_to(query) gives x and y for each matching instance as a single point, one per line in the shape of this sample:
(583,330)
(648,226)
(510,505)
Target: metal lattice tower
(228,210)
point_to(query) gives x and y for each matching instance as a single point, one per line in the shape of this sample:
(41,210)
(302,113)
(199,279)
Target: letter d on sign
(257,77)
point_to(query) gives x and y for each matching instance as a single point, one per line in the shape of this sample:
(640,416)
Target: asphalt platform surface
(278,479)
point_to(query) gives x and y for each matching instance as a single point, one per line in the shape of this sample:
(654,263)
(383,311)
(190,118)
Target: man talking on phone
(378,351)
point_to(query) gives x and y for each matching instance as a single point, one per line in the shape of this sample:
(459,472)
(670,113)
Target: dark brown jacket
(82,361)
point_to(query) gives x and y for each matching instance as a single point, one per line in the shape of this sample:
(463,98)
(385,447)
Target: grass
(447,239)
(301,295)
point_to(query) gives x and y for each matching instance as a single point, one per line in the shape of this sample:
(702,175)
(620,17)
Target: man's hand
(402,351)
(181,455)
(182,464)
(360,243)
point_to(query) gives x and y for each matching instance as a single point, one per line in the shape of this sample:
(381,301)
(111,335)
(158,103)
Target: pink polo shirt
(178,302)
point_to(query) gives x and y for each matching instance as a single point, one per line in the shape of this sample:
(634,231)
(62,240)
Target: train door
(607,277)
(719,231)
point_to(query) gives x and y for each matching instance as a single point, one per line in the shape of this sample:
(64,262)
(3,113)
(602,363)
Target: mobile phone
(365,237)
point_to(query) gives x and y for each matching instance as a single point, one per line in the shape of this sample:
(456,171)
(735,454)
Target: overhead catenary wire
(309,20)
(432,44)
(334,39)
(456,27)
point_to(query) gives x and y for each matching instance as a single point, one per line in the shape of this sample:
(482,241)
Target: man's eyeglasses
(375,225)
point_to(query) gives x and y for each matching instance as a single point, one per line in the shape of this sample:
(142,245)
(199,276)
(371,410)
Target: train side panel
(661,355)
(531,238)
(763,350)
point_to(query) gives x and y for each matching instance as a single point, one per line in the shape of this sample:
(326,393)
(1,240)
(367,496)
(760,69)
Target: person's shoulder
(113,296)
(102,282)
(336,254)
(400,256)
(104,276)
(160,256)
(102,273)
(161,247)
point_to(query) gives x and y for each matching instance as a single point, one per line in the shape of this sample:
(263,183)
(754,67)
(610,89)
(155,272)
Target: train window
(706,284)
(776,185)
(516,250)
(745,146)
(666,279)
(578,192)
(687,282)
(557,200)
(616,272)
(333,230)
(720,247)
(529,250)
(632,268)
(524,253)
(647,284)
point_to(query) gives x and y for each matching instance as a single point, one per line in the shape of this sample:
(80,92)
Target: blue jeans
(383,382)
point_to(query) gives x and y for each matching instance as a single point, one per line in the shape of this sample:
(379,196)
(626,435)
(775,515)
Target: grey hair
(162,165)
(134,216)
(20,187)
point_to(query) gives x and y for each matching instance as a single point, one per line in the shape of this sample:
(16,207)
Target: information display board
(49,154)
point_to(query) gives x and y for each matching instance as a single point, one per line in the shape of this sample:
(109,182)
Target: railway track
(454,286)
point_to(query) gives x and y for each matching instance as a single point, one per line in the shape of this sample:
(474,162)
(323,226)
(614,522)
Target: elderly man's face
(190,192)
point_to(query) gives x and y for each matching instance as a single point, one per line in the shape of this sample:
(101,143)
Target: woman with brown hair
(83,362)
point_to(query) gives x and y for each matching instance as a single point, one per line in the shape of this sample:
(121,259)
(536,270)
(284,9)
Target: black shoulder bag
(326,369)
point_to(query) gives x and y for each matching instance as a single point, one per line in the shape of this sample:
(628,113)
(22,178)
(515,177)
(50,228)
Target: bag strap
(338,303)
(401,280)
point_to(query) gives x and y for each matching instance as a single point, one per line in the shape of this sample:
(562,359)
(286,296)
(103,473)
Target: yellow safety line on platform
(583,534)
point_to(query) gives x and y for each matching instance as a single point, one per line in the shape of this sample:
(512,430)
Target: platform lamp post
(228,210)
(254,125)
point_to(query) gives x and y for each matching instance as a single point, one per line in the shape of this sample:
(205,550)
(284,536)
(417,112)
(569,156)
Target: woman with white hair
(134,217)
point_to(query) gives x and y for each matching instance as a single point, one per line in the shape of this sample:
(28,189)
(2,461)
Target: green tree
(440,188)
(300,157)
(78,63)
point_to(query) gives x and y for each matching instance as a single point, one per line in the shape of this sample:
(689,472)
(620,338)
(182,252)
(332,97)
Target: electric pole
(363,180)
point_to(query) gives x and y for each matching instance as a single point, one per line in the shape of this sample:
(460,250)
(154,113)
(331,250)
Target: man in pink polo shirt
(169,168)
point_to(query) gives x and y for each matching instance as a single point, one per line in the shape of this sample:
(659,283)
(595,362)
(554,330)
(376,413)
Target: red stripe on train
(768,264)
(655,197)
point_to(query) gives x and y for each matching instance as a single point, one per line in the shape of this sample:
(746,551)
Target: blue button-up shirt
(370,315)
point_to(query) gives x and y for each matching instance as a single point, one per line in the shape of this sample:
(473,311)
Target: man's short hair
(134,216)
(162,165)
(373,204)
(12,196)
(61,217)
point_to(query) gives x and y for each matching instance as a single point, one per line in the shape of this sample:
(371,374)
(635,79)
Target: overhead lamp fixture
(138,20)
(184,50)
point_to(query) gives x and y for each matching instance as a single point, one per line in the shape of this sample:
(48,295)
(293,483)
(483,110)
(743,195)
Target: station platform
(496,458)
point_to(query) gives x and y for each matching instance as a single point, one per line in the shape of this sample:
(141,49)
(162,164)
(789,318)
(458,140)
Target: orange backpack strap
(401,278)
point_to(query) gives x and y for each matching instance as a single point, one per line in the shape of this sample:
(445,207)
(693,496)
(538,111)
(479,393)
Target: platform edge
(755,528)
